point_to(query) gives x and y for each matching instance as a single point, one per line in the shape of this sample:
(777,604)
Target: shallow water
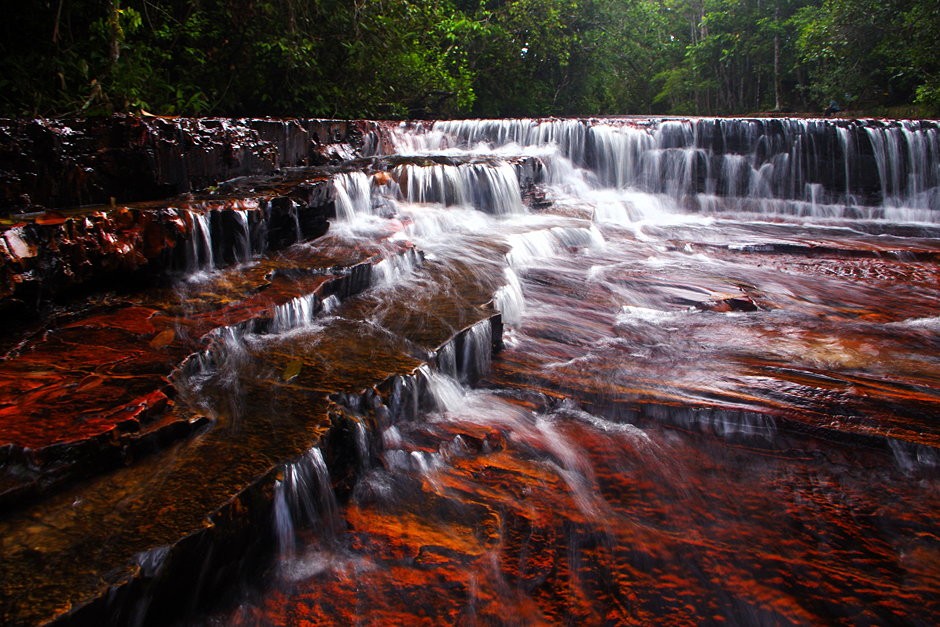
(717,399)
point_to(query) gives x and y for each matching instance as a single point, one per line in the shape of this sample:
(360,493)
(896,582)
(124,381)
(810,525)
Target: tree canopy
(409,58)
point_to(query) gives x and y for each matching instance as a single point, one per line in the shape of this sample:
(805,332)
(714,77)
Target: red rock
(50,218)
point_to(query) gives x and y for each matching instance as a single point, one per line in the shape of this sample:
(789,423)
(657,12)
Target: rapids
(687,372)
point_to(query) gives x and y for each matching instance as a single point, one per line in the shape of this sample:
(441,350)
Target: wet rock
(67,256)
(177,548)
(41,260)
(728,302)
(67,163)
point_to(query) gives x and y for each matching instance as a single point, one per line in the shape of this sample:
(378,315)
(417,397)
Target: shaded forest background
(406,58)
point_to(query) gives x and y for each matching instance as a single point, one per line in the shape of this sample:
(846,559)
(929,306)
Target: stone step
(186,522)
(94,391)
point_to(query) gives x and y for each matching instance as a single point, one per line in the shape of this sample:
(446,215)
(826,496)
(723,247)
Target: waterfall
(241,236)
(441,184)
(283,520)
(489,188)
(296,313)
(353,195)
(886,157)
(570,136)
(446,392)
(465,357)
(330,303)
(222,236)
(395,267)
(787,166)
(622,154)
(199,255)
(494,189)
(304,498)
(547,243)
(404,401)
(509,299)
(477,352)
(447,360)
(923,161)
(716,336)
(362,446)
(846,142)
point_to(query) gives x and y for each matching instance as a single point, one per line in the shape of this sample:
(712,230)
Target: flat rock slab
(839,336)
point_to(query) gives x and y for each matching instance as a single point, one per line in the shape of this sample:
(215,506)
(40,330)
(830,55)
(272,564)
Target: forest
(482,58)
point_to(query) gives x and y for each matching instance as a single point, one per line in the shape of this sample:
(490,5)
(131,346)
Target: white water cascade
(199,254)
(353,195)
(304,498)
(767,166)
(296,313)
(490,188)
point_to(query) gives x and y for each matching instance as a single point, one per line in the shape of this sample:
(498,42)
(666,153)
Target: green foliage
(408,58)
(870,53)
(921,25)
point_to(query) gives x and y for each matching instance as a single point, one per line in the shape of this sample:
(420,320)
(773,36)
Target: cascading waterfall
(490,188)
(920,145)
(442,184)
(621,154)
(199,254)
(570,136)
(330,303)
(770,166)
(219,237)
(393,268)
(353,195)
(547,243)
(706,165)
(669,383)
(509,299)
(241,236)
(477,352)
(463,359)
(447,360)
(304,498)
(404,400)
(846,141)
(297,313)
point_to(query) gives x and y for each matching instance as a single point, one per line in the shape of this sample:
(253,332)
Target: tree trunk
(114,32)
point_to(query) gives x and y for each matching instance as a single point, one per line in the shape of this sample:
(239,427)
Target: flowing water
(717,398)
(591,372)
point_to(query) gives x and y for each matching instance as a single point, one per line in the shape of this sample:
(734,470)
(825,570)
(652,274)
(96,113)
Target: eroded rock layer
(59,164)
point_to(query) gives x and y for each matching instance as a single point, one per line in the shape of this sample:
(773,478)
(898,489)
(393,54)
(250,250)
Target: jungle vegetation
(410,58)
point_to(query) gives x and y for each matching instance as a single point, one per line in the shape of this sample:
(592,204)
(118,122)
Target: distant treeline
(411,58)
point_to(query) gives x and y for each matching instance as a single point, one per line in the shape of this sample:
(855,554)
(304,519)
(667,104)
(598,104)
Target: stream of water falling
(717,400)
